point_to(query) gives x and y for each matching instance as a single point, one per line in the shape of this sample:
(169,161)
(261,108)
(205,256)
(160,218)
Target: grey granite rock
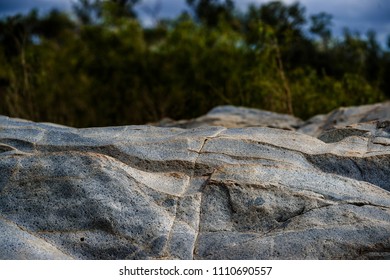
(237,117)
(144,192)
(345,116)
(18,243)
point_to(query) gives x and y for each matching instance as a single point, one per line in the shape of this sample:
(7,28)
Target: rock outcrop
(237,117)
(345,116)
(144,192)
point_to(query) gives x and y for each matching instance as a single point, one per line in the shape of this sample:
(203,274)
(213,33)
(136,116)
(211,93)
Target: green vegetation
(100,66)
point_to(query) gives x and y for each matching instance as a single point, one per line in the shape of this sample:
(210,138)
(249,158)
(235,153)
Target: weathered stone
(18,243)
(144,192)
(343,117)
(237,117)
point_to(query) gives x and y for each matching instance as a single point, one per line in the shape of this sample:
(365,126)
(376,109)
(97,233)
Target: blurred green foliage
(100,66)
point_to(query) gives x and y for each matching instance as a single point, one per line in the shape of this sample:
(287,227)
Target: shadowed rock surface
(143,192)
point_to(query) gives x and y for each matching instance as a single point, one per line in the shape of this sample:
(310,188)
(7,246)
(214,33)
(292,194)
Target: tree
(87,11)
(321,25)
(211,12)
(105,68)
(90,11)
(283,18)
(122,8)
(287,23)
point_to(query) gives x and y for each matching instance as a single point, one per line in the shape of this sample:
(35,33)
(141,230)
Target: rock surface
(345,116)
(144,192)
(237,117)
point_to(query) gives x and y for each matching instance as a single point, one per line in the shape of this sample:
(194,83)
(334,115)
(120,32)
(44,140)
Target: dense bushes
(107,69)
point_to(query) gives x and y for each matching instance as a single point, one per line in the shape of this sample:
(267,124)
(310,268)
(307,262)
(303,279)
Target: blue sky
(360,15)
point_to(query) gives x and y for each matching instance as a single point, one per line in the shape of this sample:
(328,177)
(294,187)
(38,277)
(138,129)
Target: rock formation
(145,192)
(235,117)
(345,116)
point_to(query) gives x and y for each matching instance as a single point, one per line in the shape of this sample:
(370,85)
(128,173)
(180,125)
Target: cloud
(164,9)
(9,7)
(357,15)
(360,15)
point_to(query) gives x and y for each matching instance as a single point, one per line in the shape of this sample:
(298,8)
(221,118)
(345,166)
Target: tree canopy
(100,66)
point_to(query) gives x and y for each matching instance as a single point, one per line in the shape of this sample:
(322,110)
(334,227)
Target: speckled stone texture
(144,192)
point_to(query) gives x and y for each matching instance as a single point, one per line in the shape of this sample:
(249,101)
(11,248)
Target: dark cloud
(9,7)
(357,15)
(379,12)
(361,15)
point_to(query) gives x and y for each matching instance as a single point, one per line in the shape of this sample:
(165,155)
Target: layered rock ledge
(144,192)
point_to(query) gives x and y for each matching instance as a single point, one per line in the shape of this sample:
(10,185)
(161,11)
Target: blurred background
(113,62)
